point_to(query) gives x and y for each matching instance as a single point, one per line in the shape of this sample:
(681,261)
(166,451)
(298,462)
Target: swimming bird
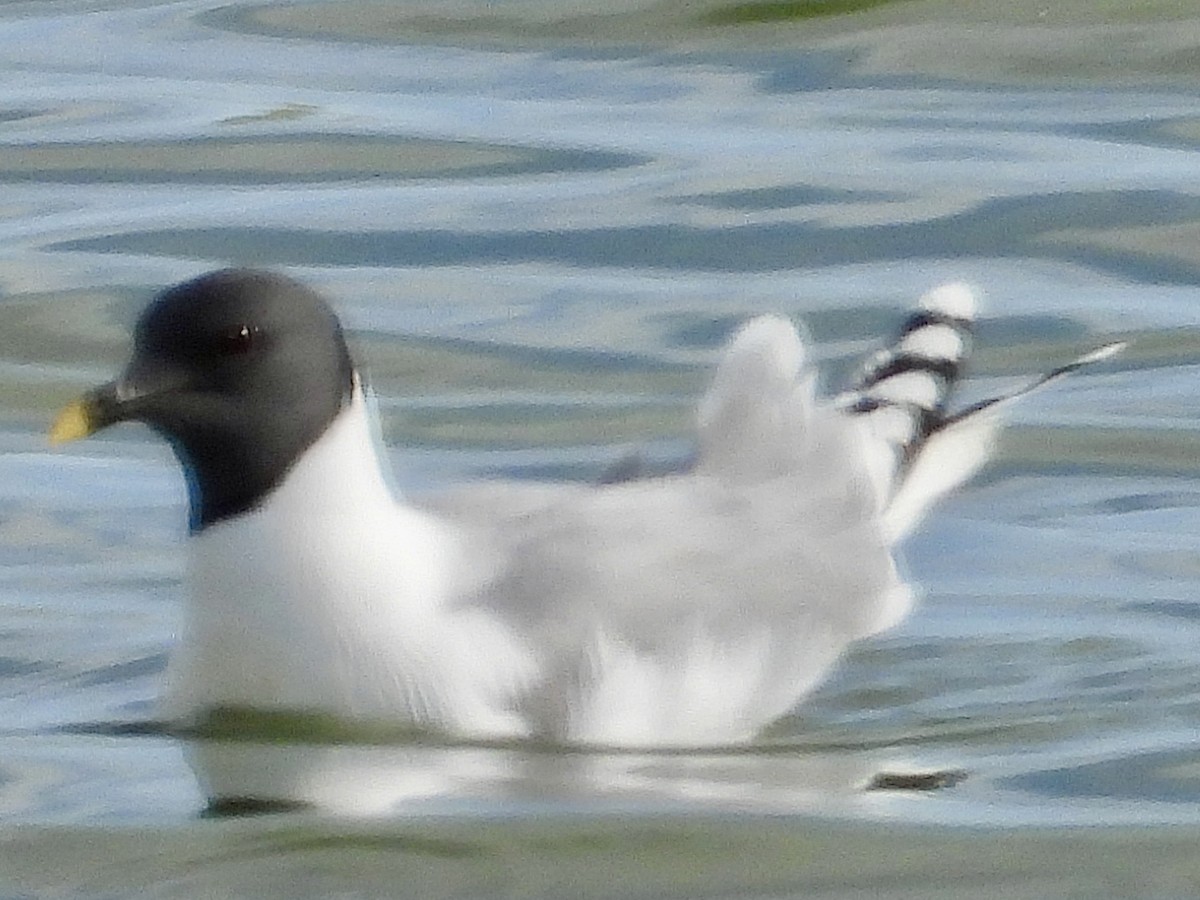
(687,609)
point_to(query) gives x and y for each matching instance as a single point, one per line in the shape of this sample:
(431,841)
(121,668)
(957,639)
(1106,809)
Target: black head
(241,371)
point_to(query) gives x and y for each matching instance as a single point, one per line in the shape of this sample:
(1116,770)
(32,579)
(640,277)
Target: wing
(917,453)
(776,518)
(918,448)
(698,606)
(728,589)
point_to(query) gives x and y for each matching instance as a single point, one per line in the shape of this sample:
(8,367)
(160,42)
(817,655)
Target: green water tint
(1053,654)
(1017,41)
(287,159)
(267,727)
(615,856)
(785,11)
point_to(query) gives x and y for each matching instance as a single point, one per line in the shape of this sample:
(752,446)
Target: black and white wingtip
(903,390)
(1100,354)
(903,395)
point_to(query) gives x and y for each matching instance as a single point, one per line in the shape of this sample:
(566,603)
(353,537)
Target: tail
(922,450)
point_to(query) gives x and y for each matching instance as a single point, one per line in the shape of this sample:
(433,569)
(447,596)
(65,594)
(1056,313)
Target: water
(539,230)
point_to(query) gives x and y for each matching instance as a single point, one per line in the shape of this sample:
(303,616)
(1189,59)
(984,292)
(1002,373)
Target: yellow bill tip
(72,424)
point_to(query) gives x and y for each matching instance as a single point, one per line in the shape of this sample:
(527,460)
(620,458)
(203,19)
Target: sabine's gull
(686,609)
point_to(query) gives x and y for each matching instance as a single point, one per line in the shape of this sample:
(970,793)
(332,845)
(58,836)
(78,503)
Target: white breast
(333,598)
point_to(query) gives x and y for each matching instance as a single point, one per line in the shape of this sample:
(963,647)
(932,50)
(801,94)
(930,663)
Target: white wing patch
(934,342)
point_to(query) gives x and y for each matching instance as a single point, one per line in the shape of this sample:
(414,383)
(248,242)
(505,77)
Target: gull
(686,609)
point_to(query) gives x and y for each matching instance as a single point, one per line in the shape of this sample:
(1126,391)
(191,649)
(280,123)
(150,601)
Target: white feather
(331,598)
(948,457)
(916,387)
(956,299)
(933,342)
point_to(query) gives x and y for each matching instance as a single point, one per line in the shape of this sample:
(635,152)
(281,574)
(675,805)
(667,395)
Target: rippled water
(538,246)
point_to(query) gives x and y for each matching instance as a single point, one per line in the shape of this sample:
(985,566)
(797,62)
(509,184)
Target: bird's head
(241,371)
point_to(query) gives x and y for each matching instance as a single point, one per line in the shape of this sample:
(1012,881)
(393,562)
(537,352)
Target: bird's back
(694,608)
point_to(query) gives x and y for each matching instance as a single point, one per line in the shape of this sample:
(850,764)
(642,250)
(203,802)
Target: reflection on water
(537,246)
(415,779)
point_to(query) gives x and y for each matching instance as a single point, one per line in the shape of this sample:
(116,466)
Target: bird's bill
(96,409)
(72,423)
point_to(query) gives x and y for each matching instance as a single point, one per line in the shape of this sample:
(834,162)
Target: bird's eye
(240,340)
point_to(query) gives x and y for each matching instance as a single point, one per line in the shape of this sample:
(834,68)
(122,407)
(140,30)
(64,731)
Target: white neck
(341,471)
(326,597)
